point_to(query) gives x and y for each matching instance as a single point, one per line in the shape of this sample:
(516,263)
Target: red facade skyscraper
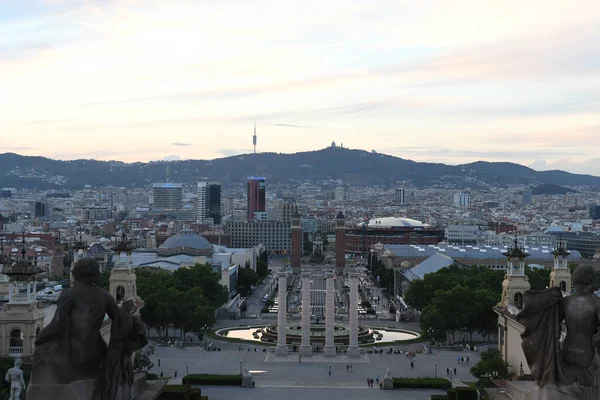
(256,196)
(340,243)
(296,243)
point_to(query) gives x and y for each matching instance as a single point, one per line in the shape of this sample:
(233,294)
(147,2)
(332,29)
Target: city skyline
(436,82)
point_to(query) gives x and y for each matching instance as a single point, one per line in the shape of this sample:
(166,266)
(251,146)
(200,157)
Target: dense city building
(167,196)
(390,230)
(256,200)
(209,203)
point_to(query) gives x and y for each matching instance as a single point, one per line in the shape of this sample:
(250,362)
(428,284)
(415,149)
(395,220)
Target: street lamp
(430,330)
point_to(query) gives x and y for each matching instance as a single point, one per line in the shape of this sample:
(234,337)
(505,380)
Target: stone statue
(247,378)
(71,360)
(14,376)
(568,368)
(388,373)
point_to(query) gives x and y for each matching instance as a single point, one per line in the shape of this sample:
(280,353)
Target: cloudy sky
(445,81)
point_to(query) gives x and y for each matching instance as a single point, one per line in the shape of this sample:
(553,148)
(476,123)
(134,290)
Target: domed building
(186,243)
(390,230)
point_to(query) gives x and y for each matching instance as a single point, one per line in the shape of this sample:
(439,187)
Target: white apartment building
(462,234)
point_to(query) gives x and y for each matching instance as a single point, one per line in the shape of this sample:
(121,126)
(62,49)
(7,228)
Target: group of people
(371,382)
(462,360)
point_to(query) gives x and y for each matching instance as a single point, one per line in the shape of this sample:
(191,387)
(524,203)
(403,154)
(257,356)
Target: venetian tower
(122,277)
(296,242)
(21,319)
(515,282)
(79,248)
(560,275)
(340,243)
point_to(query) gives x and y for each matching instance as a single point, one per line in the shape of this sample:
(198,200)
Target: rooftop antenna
(254,137)
(168,171)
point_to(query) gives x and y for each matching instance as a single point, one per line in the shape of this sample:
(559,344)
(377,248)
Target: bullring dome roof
(186,239)
(391,222)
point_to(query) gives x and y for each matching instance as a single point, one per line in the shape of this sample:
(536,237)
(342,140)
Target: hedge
(421,383)
(462,393)
(179,392)
(208,379)
(151,377)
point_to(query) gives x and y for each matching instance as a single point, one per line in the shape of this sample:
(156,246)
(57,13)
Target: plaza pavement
(271,371)
(303,393)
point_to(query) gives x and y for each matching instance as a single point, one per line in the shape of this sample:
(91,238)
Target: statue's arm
(60,321)
(7,377)
(22,380)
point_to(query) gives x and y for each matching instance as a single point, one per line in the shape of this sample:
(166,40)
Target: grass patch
(421,383)
(209,379)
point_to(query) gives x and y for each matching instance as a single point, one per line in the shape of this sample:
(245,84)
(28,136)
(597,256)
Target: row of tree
(456,299)
(186,300)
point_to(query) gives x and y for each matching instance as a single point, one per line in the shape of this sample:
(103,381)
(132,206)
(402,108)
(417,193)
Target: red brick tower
(296,243)
(340,243)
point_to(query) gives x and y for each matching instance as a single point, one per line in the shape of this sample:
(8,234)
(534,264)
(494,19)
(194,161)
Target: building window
(518,300)
(16,342)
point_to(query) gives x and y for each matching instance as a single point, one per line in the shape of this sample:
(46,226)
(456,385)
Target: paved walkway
(313,393)
(271,371)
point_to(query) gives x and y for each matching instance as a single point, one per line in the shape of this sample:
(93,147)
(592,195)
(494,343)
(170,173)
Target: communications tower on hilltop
(254,137)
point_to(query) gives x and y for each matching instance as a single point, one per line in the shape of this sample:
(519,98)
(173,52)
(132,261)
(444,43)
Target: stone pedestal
(329,348)
(353,349)
(282,348)
(247,380)
(388,383)
(305,347)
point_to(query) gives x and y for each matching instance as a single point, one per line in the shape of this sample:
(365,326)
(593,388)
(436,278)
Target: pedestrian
(299,358)
(175,374)
(347,367)
(377,379)
(368,382)
(161,374)
(447,371)
(467,359)
(350,366)
(329,368)
(412,365)
(454,371)
(462,360)
(159,362)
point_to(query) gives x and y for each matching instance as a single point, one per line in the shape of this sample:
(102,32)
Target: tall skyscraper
(256,196)
(209,203)
(527,196)
(462,199)
(400,196)
(167,196)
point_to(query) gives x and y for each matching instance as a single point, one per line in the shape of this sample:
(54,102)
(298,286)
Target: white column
(353,349)
(329,349)
(281,348)
(305,347)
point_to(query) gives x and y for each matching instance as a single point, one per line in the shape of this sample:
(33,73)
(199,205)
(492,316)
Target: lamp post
(430,331)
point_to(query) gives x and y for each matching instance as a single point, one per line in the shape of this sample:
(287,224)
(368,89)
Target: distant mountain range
(353,167)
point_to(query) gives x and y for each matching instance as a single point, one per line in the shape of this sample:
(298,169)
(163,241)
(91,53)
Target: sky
(440,81)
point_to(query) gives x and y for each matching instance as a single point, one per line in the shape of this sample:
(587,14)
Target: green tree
(246,278)
(539,278)
(262,268)
(202,276)
(491,364)
(105,280)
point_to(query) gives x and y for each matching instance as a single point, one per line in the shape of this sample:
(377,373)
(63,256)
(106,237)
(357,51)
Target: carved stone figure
(14,376)
(388,381)
(71,359)
(567,369)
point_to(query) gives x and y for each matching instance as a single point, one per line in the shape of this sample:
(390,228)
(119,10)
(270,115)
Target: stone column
(329,349)
(353,349)
(305,347)
(282,348)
